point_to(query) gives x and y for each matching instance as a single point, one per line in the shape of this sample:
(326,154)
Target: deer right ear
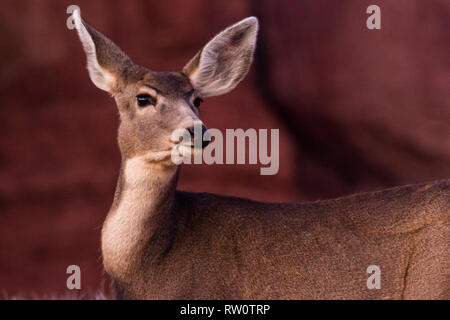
(225,60)
(105,61)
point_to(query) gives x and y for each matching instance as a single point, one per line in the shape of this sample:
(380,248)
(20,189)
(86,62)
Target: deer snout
(198,134)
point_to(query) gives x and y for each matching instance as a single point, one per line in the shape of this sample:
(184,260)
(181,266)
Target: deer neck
(138,229)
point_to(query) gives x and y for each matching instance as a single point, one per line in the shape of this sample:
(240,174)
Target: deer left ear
(225,60)
(105,61)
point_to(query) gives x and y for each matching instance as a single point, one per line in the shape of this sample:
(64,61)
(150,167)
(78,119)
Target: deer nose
(199,137)
(192,130)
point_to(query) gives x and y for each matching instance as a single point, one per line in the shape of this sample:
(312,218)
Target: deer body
(160,243)
(177,245)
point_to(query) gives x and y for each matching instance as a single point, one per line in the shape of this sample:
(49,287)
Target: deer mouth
(200,144)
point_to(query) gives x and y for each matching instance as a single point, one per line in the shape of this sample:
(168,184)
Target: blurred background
(357,110)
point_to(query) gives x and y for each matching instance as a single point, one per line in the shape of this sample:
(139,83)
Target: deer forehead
(168,84)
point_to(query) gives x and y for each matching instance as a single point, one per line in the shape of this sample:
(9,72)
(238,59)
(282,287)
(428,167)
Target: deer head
(152,105)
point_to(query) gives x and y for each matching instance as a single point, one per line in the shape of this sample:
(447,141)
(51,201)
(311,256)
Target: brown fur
(230,248)
(159,243)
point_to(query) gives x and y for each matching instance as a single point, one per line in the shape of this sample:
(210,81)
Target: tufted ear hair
(106,62)
(225,60)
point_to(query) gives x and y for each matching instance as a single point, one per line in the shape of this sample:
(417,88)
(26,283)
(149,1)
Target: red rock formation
(356,109)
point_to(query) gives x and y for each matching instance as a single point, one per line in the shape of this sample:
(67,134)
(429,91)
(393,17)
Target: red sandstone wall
(356,109)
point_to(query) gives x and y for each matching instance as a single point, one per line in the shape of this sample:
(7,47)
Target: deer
(161,243)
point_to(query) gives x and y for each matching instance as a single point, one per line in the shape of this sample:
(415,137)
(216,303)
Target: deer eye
(197,102)
(144,100)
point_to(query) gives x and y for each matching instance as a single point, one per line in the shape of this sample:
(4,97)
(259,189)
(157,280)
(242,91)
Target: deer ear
(225,60)
(105,61)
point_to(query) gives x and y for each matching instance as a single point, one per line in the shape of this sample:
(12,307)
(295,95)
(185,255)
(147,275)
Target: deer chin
(186,148)
(190,150)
